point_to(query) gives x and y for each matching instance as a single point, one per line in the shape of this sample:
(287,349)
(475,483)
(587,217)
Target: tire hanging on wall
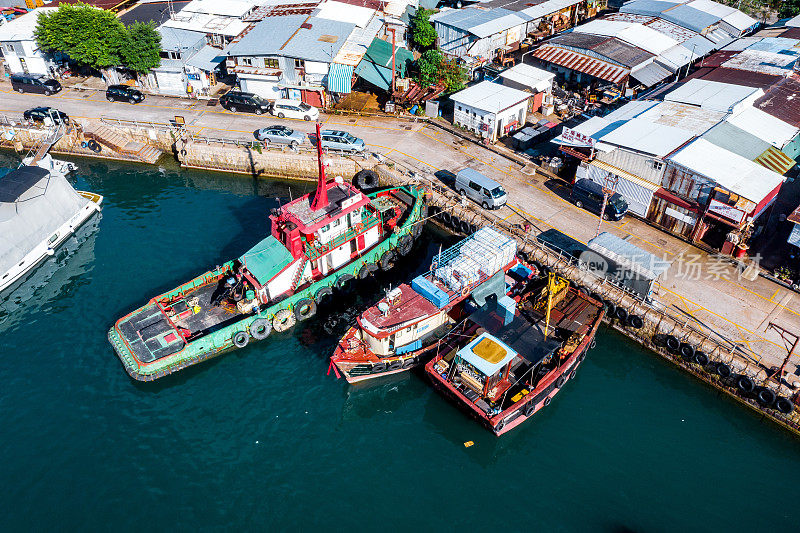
(367,271)
(783,405)
(672,343)
(700,358)
(744,384)
(687,351)
(366,180)
(635,321)
(344,283)
(386,262)
(722,370)
(765,397)
(404,245)
(445,217)
(323,296)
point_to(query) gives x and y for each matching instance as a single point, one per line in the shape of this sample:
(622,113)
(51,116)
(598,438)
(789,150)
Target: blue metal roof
(208,58)
(284,36)
(690,18)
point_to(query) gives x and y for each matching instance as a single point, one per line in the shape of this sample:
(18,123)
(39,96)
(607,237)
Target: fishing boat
(509,359)
(39,211)
(394,335)
(319,243)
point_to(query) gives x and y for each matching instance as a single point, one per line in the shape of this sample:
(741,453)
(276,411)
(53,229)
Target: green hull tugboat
(320,243)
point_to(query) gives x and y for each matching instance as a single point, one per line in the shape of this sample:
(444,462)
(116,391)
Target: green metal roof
(266,259)
(380,53)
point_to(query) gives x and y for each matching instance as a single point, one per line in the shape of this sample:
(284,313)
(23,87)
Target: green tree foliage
(96,38)
(433,68)
(789,8)
(141,47)
(422,32)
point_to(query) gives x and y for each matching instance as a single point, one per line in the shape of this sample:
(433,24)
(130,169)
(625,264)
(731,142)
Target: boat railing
(317,249)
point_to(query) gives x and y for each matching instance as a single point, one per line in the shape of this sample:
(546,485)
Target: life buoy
(687,351)
(784,406)
(304,309)
(635,321)
(404,245)
(700,358)
(378,367)
(672,344)
(260,329)
(744,384)
(765,397)
(465,291)
(722,370)
(529,408)
(240,339)
(345,283)
(387,260)
(396,364)
(283,320)
(560,381)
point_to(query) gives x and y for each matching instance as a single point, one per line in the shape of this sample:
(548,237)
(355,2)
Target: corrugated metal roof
(548,7)
(677,57)
(595,127)
(782,100)
(691,18)
(739,20)
(629,255)
(479,22)
(679,33)
(635,34)
(646,7)
(741,43)
(686,117)
(651,74)
(624,174)
(727,136)
(748,78)
(795,216)
(340,78)
(718,58)
(529,76)
(775,160)
(630,110)
(700,45)
(732,171)
(648,137)
(776,45)
(582,63)
(764,62)
(207,58)
(489,96)
(578,40)
(764,126)
(623,53)
(710,94)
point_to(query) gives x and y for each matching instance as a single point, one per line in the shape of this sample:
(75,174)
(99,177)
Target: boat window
(53,238)
(326,227)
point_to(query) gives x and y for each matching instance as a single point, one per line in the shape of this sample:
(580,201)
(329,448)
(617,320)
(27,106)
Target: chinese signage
(576,138)
(727,211)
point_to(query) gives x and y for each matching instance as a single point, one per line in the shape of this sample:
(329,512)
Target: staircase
(299,273)
(120,144)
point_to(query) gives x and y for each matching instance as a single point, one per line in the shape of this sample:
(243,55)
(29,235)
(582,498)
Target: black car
(25,83)
(115,93)
(589,195)
(238,101)
(38,114)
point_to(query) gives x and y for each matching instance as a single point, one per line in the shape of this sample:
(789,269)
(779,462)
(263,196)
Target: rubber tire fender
(411,361)
(687,351)
(465,227)
(94,146)
(722,370)
(445,217)
(307,304)
(500,425)
(386,262)
(455,223)
(344,283)
(672,343)
(784,406)
(621,313)
(560,381)
(547,401)
(611,309)
(529,408)
(240,339)
(700,358)
(744,384)
(367,271)
(765,397)
(635,321)
(260,329)
(378,367)
(395,365)
(323,296)
(283,320)
(404,245)
(366,180)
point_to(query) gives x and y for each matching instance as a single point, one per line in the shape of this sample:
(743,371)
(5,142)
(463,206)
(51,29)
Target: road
(709,292)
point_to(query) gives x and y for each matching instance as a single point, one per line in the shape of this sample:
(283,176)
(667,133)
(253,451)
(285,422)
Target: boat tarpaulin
(487,354)
(266,259)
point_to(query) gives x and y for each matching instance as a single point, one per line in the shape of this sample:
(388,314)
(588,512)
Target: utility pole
(609,187)
(393,30)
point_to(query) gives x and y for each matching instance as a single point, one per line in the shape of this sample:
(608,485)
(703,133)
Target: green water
(262,439)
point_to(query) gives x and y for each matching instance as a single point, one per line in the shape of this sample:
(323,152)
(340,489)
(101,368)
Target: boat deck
(196,313)
(149,334)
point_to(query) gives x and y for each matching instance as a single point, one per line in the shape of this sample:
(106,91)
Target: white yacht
(39,210)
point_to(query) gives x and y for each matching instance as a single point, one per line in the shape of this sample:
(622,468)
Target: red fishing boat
(508,359)
(394,334)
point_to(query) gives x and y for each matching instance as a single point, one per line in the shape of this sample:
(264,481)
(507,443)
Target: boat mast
(321,195)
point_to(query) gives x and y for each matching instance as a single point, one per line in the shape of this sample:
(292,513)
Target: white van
(286,108)
(483,190)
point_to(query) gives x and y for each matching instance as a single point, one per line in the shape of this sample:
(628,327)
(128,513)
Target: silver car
(280,135)
(341,140)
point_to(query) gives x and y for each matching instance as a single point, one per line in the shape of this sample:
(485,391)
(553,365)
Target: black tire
(784,406)
(304,309)
(687,351)
(547,401)
(232,109)
(378,367)
(19,90)
(94,146)
(386,262)
(344,283)
(324,296)
(257,111)
(293,145)
(281,115)
(404,245)
(445,217)
(260,329)
(462,192)
(485,205)
(579,204)
(635,322)
(411,361)
(433,211)
(700,358)
(473,228)
(109,98)
(611,309)
(745,384)
(366,180)
(306,118)
(560,381)
(132,100)
(465,227)
(529,408)
(367,271)
(397,364)
(722,370)
(672,343)
(765,397)
(500,425)
(621,313)
(240,339)
(47,92)
(455,222)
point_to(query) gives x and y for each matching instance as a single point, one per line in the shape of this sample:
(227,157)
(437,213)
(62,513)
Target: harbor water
(263,439)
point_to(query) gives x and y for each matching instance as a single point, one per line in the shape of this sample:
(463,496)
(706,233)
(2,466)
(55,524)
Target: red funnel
(321,194)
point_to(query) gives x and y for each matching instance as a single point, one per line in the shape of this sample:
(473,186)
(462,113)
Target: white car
(285,108)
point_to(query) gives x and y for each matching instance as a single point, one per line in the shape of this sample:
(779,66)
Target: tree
(423,33)
(434,68)
(789,8)
(141,47)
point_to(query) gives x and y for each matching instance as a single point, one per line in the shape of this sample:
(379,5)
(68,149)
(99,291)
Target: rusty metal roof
(610,47)
(747,78)
(582,63)
(782,100)
(795,216)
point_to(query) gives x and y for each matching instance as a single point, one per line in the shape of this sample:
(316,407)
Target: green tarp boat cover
(266,259)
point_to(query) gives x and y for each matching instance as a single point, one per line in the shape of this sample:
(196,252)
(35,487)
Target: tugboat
(39,211)
(394,334)
(320,243)
(508,359)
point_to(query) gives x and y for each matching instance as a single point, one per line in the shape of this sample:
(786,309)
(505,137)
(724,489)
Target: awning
(340,78)
(379,76)
(675,200)
(651,74)
(775,160)
(207,58)
(582,63)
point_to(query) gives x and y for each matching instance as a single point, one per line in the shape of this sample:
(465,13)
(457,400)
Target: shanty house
(490,110)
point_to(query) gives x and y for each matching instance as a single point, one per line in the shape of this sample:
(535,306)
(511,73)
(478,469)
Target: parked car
(115,93)
(33,84)
(341,140)
(39,114)
(238,101)
(280,135)
(589,195)
(286,108)
(481,189)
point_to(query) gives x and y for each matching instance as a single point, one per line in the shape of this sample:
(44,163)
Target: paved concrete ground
(707,291)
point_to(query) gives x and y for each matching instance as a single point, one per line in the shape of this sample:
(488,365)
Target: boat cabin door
(391,342)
